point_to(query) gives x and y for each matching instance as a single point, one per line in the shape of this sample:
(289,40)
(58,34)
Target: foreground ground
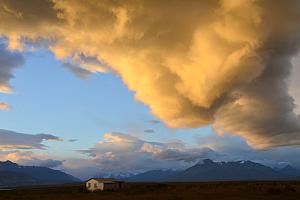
(165,191)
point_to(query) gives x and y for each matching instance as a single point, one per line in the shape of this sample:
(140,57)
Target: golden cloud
(4,106)
(194,63)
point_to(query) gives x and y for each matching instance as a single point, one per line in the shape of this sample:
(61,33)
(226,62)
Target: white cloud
(120,152)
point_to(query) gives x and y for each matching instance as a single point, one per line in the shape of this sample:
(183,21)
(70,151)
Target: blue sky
(227,84)
(48,98)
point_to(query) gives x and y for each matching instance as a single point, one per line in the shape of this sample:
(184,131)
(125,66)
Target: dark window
(89,185)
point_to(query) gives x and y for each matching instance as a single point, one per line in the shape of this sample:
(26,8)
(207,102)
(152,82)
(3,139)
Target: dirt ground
(163,191)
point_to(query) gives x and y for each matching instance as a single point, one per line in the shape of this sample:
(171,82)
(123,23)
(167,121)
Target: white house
(95,184)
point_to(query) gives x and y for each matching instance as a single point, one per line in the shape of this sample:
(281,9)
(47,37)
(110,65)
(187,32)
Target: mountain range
(208,170)
(153,176)
(12,174)
(289,171)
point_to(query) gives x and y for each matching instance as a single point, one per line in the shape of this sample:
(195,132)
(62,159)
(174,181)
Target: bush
(289,190)
(274,191)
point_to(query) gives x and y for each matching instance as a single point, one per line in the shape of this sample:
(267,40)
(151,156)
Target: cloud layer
(10,140)
(233,148)
(18,147)
(193,63)
(120,152)
(29,158)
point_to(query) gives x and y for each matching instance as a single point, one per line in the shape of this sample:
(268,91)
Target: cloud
(4,106)
(120,152)
(81,168)
(14,140)
(191,155)
(234,148)
(50,163)
(149,131)
(78,71)
(29,158)
(153,121)
(14,155)
(194,63)
(72,140)
(123,153)
(18,147)
(294,84)
(9,61)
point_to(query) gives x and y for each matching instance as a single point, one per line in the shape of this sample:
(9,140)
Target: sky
(99,87)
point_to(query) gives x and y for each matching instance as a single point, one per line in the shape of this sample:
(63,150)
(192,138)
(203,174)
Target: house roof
(104,180)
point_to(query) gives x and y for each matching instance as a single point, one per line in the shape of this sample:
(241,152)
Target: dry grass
(164,191)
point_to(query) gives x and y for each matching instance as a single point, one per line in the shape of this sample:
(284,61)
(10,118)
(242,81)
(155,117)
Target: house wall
(93,185)
(110,186)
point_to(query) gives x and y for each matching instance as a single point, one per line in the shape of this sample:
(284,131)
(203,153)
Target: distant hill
(153,176)
(208,170)
(289,171)
(31,175)
(10,179)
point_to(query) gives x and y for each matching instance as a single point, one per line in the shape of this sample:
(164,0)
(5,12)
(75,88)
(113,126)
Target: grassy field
(164,191)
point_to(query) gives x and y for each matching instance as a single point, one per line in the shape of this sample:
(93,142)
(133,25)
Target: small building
(96,184)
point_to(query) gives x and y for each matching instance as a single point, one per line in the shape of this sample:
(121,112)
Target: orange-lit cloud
(122,152)
(17,156)
(29,158)
(194,63)
(4,106)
